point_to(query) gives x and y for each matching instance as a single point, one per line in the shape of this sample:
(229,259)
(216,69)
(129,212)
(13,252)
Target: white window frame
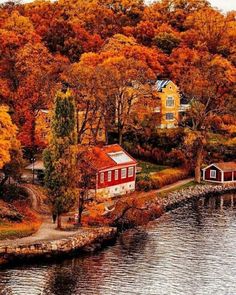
(116,174)
(173,100)
(123,173)
(213,174)
(109,176)
(130,171)
(170,119)
(102,177)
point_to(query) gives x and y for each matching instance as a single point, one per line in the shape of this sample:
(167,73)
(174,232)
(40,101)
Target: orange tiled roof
(226,166)
(100,158)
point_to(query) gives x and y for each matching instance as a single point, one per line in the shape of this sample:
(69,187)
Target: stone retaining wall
(178,198)
(84,241)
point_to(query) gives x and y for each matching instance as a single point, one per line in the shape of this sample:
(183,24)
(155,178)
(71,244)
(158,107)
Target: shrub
(11,192)
(176,158)
(159,179)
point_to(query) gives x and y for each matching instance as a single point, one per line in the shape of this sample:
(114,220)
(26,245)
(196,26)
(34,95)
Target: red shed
(224,172)
(115,170)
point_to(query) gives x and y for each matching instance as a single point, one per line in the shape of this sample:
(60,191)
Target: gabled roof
(37,165)
(224,166)
(108,157)
(160,84)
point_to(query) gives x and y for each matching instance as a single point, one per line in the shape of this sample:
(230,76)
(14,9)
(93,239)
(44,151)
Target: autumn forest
(109,54)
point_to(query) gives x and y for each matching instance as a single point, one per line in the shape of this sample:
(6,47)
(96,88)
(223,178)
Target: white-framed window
(102,177)
(169,116)
(170,101)
(109,176)
(212,173)
(116,174)
(131,171)
(123,173)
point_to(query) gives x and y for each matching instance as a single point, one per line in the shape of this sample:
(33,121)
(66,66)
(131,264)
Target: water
(189,251)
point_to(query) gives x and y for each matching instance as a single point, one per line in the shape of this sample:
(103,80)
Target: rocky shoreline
(88,240)
(91,239)
(181,197)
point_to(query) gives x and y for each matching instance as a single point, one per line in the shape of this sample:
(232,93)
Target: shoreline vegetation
(93,238)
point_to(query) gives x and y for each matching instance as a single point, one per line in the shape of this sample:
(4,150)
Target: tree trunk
(199,157)
(59,221)
(3,181)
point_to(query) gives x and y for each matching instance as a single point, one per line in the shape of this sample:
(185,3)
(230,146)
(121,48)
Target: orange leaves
(7,136)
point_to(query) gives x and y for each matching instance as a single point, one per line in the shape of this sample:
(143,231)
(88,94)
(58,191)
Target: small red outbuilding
(224,172)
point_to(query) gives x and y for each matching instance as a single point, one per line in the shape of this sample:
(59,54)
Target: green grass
(14,234)
(148,167)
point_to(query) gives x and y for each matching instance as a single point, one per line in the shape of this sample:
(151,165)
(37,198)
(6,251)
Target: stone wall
(84,241)
(178,198)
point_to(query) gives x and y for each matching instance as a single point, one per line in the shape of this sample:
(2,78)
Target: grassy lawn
(18,230)
(148,167)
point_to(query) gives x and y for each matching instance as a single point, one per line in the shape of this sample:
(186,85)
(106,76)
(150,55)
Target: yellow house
(169,104)
(91,130)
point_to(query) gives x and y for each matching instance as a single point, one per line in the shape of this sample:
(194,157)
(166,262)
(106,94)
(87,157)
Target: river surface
(191,250)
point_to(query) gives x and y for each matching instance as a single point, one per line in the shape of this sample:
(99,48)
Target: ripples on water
(189,251)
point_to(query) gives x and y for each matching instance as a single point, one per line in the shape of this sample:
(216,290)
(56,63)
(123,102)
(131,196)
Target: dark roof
(160,84)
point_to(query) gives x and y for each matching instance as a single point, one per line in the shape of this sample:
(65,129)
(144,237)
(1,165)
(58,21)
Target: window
(212,174)
(116,174)
(123,173)
(131,171)
(109,176)
(101,177)
(169,116)
(170,101)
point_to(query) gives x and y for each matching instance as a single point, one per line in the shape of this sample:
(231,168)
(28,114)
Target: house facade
(224,172)
(115,171)
(170,104)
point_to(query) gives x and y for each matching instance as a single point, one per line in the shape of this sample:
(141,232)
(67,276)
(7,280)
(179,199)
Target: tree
(60,157)
(8,132)
(87,179)
(166,42)
(208,81)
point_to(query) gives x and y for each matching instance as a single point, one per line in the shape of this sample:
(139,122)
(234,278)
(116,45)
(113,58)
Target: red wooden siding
(218,174)
(120,180)
(228,176)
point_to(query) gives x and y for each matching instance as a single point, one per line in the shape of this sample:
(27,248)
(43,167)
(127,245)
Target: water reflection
(188,251)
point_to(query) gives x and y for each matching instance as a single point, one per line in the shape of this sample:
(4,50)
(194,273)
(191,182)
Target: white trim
(109,176)
(118,167)
(102,177)
(169,107)
(125,174)
(116,174)
(131,169)
(217,181)
(212,165)
(204,175)
(213,172)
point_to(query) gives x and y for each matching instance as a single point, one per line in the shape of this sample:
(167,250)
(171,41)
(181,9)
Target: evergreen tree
(60,158)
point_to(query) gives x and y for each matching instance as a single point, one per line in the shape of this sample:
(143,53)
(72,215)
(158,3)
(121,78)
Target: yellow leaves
(7,136)
(18,23)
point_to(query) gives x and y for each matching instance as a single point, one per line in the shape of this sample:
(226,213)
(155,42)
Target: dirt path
(48,230)
(37,199)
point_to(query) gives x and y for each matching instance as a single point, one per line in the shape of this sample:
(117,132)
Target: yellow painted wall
(170,90)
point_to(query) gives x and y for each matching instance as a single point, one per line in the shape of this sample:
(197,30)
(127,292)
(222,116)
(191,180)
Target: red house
(224,172)
(115,171)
